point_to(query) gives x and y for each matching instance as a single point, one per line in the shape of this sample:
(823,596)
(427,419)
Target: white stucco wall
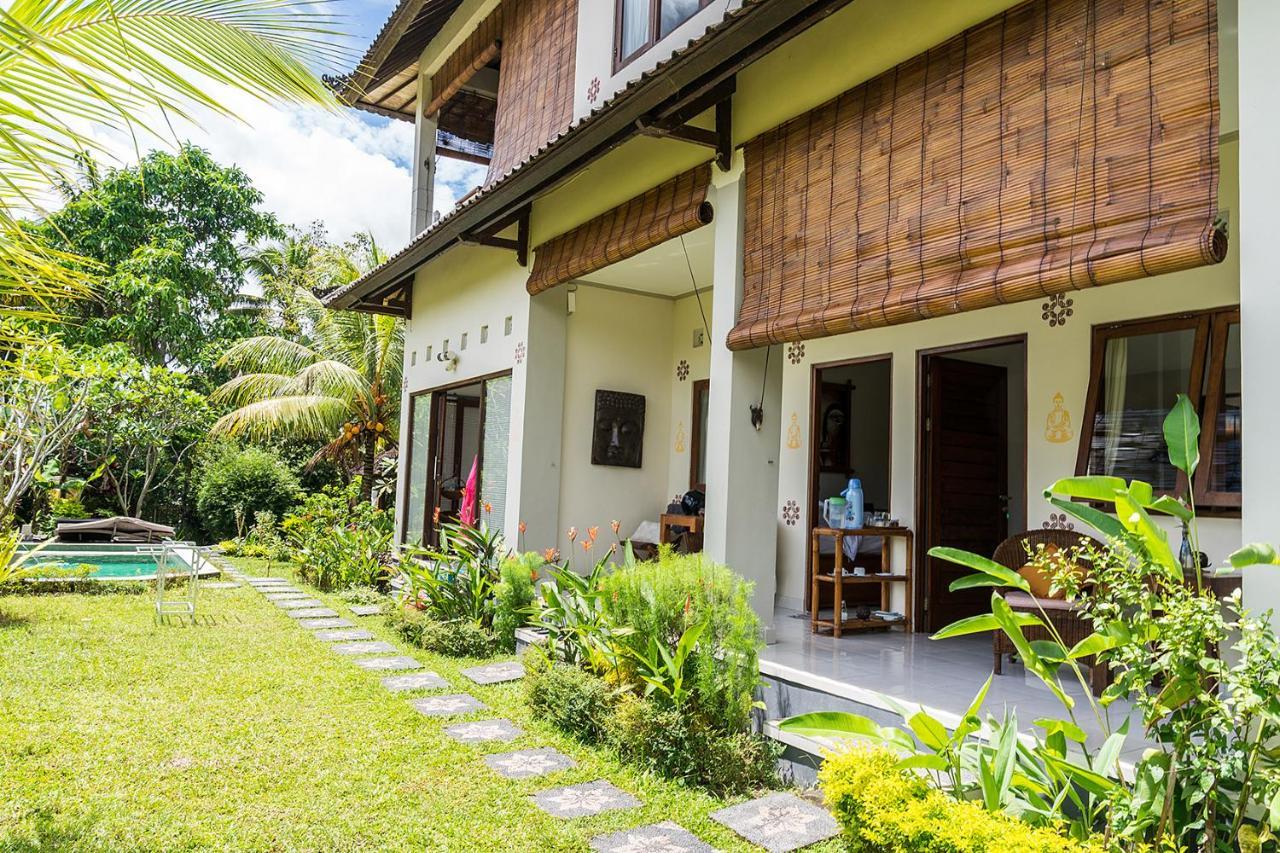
(686,320)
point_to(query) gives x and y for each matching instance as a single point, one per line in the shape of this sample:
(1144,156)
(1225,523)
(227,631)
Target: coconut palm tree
(70,66)
(339,383)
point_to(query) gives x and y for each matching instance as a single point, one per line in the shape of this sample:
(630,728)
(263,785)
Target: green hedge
(886,810)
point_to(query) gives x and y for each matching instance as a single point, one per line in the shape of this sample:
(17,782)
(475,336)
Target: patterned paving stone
(484,730)
(388,663)
(326,622)
(582,800)
(665,837)
(364,647)
(280,589)
(447,706)
(219,585)
(268,581)
(311,612)
(493,673)
(291,595)
(527,763)
(779,822)
(343,635)
(298,603)
(414,681)
(366,609)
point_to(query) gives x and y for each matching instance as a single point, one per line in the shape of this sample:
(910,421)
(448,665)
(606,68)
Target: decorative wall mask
(680,437)
(618,438)
(793,432)
(1057,425)
(1056,311)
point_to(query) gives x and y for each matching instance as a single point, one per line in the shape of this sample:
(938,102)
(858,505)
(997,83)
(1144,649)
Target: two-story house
(761,247)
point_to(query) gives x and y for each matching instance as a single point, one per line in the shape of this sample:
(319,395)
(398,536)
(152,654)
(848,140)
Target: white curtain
(416,478)
(497,431)
(1115,383)
(635,25)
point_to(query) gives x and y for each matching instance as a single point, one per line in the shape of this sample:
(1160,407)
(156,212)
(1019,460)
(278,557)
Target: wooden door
(966,477)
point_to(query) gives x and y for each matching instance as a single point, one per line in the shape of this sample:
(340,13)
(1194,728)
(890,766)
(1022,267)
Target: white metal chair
(171,563)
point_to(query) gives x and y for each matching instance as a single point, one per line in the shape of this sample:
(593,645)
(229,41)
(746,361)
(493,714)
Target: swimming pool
(111,562)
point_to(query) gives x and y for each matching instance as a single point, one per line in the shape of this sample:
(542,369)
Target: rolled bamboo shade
(478,50)
(535,87)
(676,207)
(1063,144)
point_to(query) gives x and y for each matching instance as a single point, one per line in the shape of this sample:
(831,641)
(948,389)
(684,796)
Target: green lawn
(246,733)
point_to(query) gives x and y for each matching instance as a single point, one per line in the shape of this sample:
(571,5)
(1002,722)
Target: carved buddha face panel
(619,429)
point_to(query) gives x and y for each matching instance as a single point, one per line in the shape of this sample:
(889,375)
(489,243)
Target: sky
(350,171)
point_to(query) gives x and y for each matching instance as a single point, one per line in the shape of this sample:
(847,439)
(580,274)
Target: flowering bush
(339,541)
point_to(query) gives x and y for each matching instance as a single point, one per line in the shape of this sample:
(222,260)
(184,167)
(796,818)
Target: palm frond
(251,387)
(313,417)
(269,354)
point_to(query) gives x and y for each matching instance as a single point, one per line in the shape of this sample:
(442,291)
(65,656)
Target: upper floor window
(1138,369)
(643,23)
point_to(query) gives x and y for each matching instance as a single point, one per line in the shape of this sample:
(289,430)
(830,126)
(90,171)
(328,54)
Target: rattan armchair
(1065,617)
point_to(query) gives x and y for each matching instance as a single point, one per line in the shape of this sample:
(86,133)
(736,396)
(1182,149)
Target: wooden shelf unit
(838,579)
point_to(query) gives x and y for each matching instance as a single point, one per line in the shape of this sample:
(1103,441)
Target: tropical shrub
(455,580)
(573,700)
(338,541)
(513,597)
(239,482)
(882,808)
(458,638)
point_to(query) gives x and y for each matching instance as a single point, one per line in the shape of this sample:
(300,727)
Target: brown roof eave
(746,34)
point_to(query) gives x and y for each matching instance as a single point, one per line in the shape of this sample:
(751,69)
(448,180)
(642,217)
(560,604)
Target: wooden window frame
(701,388)
(655,28)
(1208,353)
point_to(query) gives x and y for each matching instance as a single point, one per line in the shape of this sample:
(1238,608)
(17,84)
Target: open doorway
(971,489)
(851,422)
(453,429)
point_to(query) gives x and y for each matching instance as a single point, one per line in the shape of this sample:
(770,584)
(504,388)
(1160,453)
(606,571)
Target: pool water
(105,566)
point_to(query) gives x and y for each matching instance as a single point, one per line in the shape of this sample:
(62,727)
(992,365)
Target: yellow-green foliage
(886,810)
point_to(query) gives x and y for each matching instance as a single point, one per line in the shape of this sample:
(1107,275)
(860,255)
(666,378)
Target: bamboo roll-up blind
(535,85)
(1063,144)
(673,208)
(476,51)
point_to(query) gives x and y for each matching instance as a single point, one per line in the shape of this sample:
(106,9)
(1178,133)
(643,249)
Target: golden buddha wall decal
(1057,426)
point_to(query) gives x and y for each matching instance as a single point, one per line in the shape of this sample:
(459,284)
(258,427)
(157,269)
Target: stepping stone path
(364,647)
(344,635)
(448,706)
(261,582)
(665,837)
(779,822)
(414,681)
(366,609)
(495,673)
(589,798)
(219,585)
(312,612)
(326,622)
(527,763)
(483,730)
(388,663)
(296,603)
(291,595)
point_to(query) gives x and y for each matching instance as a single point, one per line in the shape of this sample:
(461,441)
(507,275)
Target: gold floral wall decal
(1057,424)
(793,432)
(680,437)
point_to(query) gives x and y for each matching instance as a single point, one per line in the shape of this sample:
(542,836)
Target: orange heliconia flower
(573,533)
(488,507)
(435,516)
(616,525)
(586,545)
(592,533)
(524,528)
(551,555)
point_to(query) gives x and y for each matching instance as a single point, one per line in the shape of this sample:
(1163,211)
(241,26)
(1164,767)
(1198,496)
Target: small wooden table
(838,579)
(667,520)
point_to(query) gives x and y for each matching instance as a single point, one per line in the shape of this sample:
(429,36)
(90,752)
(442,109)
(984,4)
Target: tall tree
(340,384)
(166,236)
(69,65)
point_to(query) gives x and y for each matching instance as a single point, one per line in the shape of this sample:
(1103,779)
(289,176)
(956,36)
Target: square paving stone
(779,822)
(219,585)
(484,730)
(493,673)
(395,662)
(344,635)
(527,763)
(414,681)
(364,647)
(329,622)
(447,706)
(589,798)
(311,612)
(366,609)
(665,837)
(268,581)
(296,603)
(291,595)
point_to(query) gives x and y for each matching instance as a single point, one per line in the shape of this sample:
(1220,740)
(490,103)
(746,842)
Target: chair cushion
(1040,579)
(1022,601)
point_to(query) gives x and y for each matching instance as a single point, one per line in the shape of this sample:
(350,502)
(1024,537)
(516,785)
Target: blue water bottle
(854,508)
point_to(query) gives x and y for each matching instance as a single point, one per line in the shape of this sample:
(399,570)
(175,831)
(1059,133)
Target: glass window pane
(635,26)
(675,13)
(419,456)
(1142,376)
(1224,473)
(703,402)
(497,430)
